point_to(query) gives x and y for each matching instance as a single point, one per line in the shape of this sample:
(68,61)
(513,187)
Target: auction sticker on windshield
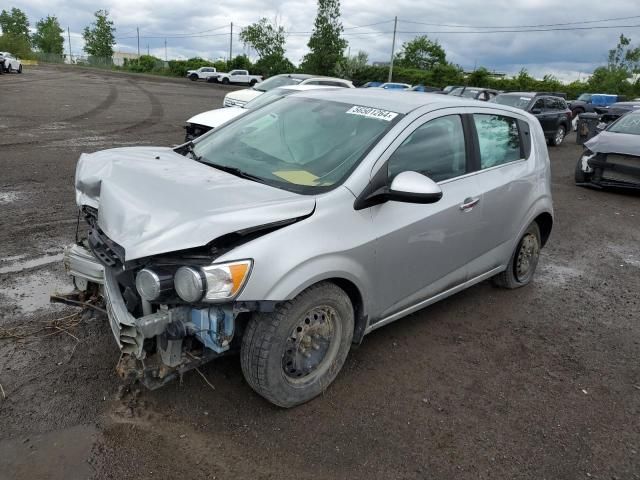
(369,112)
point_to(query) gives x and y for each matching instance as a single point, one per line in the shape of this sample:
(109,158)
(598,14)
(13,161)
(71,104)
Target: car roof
(399,101)
(304,88)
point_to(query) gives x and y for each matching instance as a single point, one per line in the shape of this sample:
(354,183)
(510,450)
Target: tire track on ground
(155,116)
(112,98)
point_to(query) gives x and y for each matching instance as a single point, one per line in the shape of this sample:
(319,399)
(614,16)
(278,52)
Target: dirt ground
(537,383)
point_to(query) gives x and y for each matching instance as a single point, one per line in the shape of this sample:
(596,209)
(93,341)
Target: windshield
(277,81)
(585,97)
(629,124)
(512,100)
(470,93)
(297,144)
(268,97)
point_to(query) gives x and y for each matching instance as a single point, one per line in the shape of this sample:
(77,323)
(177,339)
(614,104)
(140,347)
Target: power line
(595,27)
(520,26)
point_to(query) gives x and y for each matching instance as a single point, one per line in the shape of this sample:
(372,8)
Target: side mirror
(536,111)
(408,187)
(413,187)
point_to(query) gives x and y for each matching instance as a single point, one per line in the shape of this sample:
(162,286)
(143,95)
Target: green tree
(624,56)
(48,37)
(349,67)
(241,62)
(99,38)
(15,32)
(265,37)
(479,77)
(421,53)
(326,44)
(14,23)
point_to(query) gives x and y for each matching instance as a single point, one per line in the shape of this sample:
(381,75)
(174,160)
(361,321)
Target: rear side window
(498,139)
(435,149)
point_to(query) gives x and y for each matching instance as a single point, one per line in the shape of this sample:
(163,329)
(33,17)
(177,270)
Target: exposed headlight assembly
(152,285)
(586,156)
(222,281)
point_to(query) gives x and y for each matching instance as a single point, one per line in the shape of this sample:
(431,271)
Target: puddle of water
(34,262)
(9,197)
(60,454)
(31,292)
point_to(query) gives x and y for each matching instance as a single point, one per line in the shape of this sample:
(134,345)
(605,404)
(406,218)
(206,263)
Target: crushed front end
(161,334)
(611,170)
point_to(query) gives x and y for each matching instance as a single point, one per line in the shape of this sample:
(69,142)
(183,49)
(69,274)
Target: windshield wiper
(189,148)
(235,171)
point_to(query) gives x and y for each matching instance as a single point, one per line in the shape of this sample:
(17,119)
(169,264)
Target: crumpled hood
(608,142)
(151,200)
(215,118)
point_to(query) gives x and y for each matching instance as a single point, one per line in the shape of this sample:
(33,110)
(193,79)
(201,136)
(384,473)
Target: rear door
(508,180)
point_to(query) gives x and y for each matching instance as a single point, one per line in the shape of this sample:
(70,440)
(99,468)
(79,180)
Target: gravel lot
(541,382)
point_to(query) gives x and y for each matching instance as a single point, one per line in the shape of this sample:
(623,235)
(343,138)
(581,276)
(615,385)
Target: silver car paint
(153,200)
(391,252)
(397,256)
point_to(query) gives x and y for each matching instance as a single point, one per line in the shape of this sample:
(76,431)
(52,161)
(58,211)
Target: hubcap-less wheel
(527,257)
(559,136)
(310,348)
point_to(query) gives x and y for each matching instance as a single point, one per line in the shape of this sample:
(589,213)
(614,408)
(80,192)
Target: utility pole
(393,47)
(138,35)
(231,42)
(165,50)
(69,37)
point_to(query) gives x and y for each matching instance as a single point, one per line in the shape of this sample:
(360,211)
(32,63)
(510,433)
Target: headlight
(189,283)
(152,285)
(221,281)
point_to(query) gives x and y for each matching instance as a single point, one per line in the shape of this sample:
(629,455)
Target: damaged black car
(612,158)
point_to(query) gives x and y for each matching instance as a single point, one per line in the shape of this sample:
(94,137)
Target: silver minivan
(291,232)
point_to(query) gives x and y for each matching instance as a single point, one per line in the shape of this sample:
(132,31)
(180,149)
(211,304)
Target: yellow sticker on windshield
(299,177)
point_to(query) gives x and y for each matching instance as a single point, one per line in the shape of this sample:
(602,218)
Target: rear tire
(558,137)
(292,355)
(523,262)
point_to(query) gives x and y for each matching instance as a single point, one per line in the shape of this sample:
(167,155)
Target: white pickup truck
(236,76)
(202,73)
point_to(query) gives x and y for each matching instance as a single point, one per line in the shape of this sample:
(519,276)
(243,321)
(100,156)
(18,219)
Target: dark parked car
(612,158)
(484,94)
(550,109)
(593,103)
(617,110)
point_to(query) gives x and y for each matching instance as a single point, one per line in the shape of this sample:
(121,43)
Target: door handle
(469,203)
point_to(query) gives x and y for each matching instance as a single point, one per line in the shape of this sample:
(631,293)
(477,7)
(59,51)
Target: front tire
(558,137)
(225,81)
(193,77)
(523,262)
(253,82)
(580,176)
(20,69)
(292,355)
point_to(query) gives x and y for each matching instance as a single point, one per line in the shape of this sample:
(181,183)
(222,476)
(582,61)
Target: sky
(567,54)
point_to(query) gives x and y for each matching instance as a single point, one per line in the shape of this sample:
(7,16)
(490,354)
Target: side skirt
(434,299)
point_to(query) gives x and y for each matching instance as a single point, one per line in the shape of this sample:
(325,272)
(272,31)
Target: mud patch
(30,293)
(554,275)
(9,197)
(60,454)
(34,262)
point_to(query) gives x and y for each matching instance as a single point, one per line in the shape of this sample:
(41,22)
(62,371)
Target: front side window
(498,138)
(539,105)
(435,149)
(297,144)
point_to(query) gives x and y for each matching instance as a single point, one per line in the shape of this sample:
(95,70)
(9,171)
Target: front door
(422,250)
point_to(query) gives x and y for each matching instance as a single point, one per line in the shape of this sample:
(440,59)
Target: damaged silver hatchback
(294,230)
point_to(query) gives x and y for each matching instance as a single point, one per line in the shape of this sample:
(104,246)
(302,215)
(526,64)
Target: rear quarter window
(499,140)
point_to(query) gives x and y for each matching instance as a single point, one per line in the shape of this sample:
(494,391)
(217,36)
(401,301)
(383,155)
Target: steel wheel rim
(527,257)
(312,345)
(559,135)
